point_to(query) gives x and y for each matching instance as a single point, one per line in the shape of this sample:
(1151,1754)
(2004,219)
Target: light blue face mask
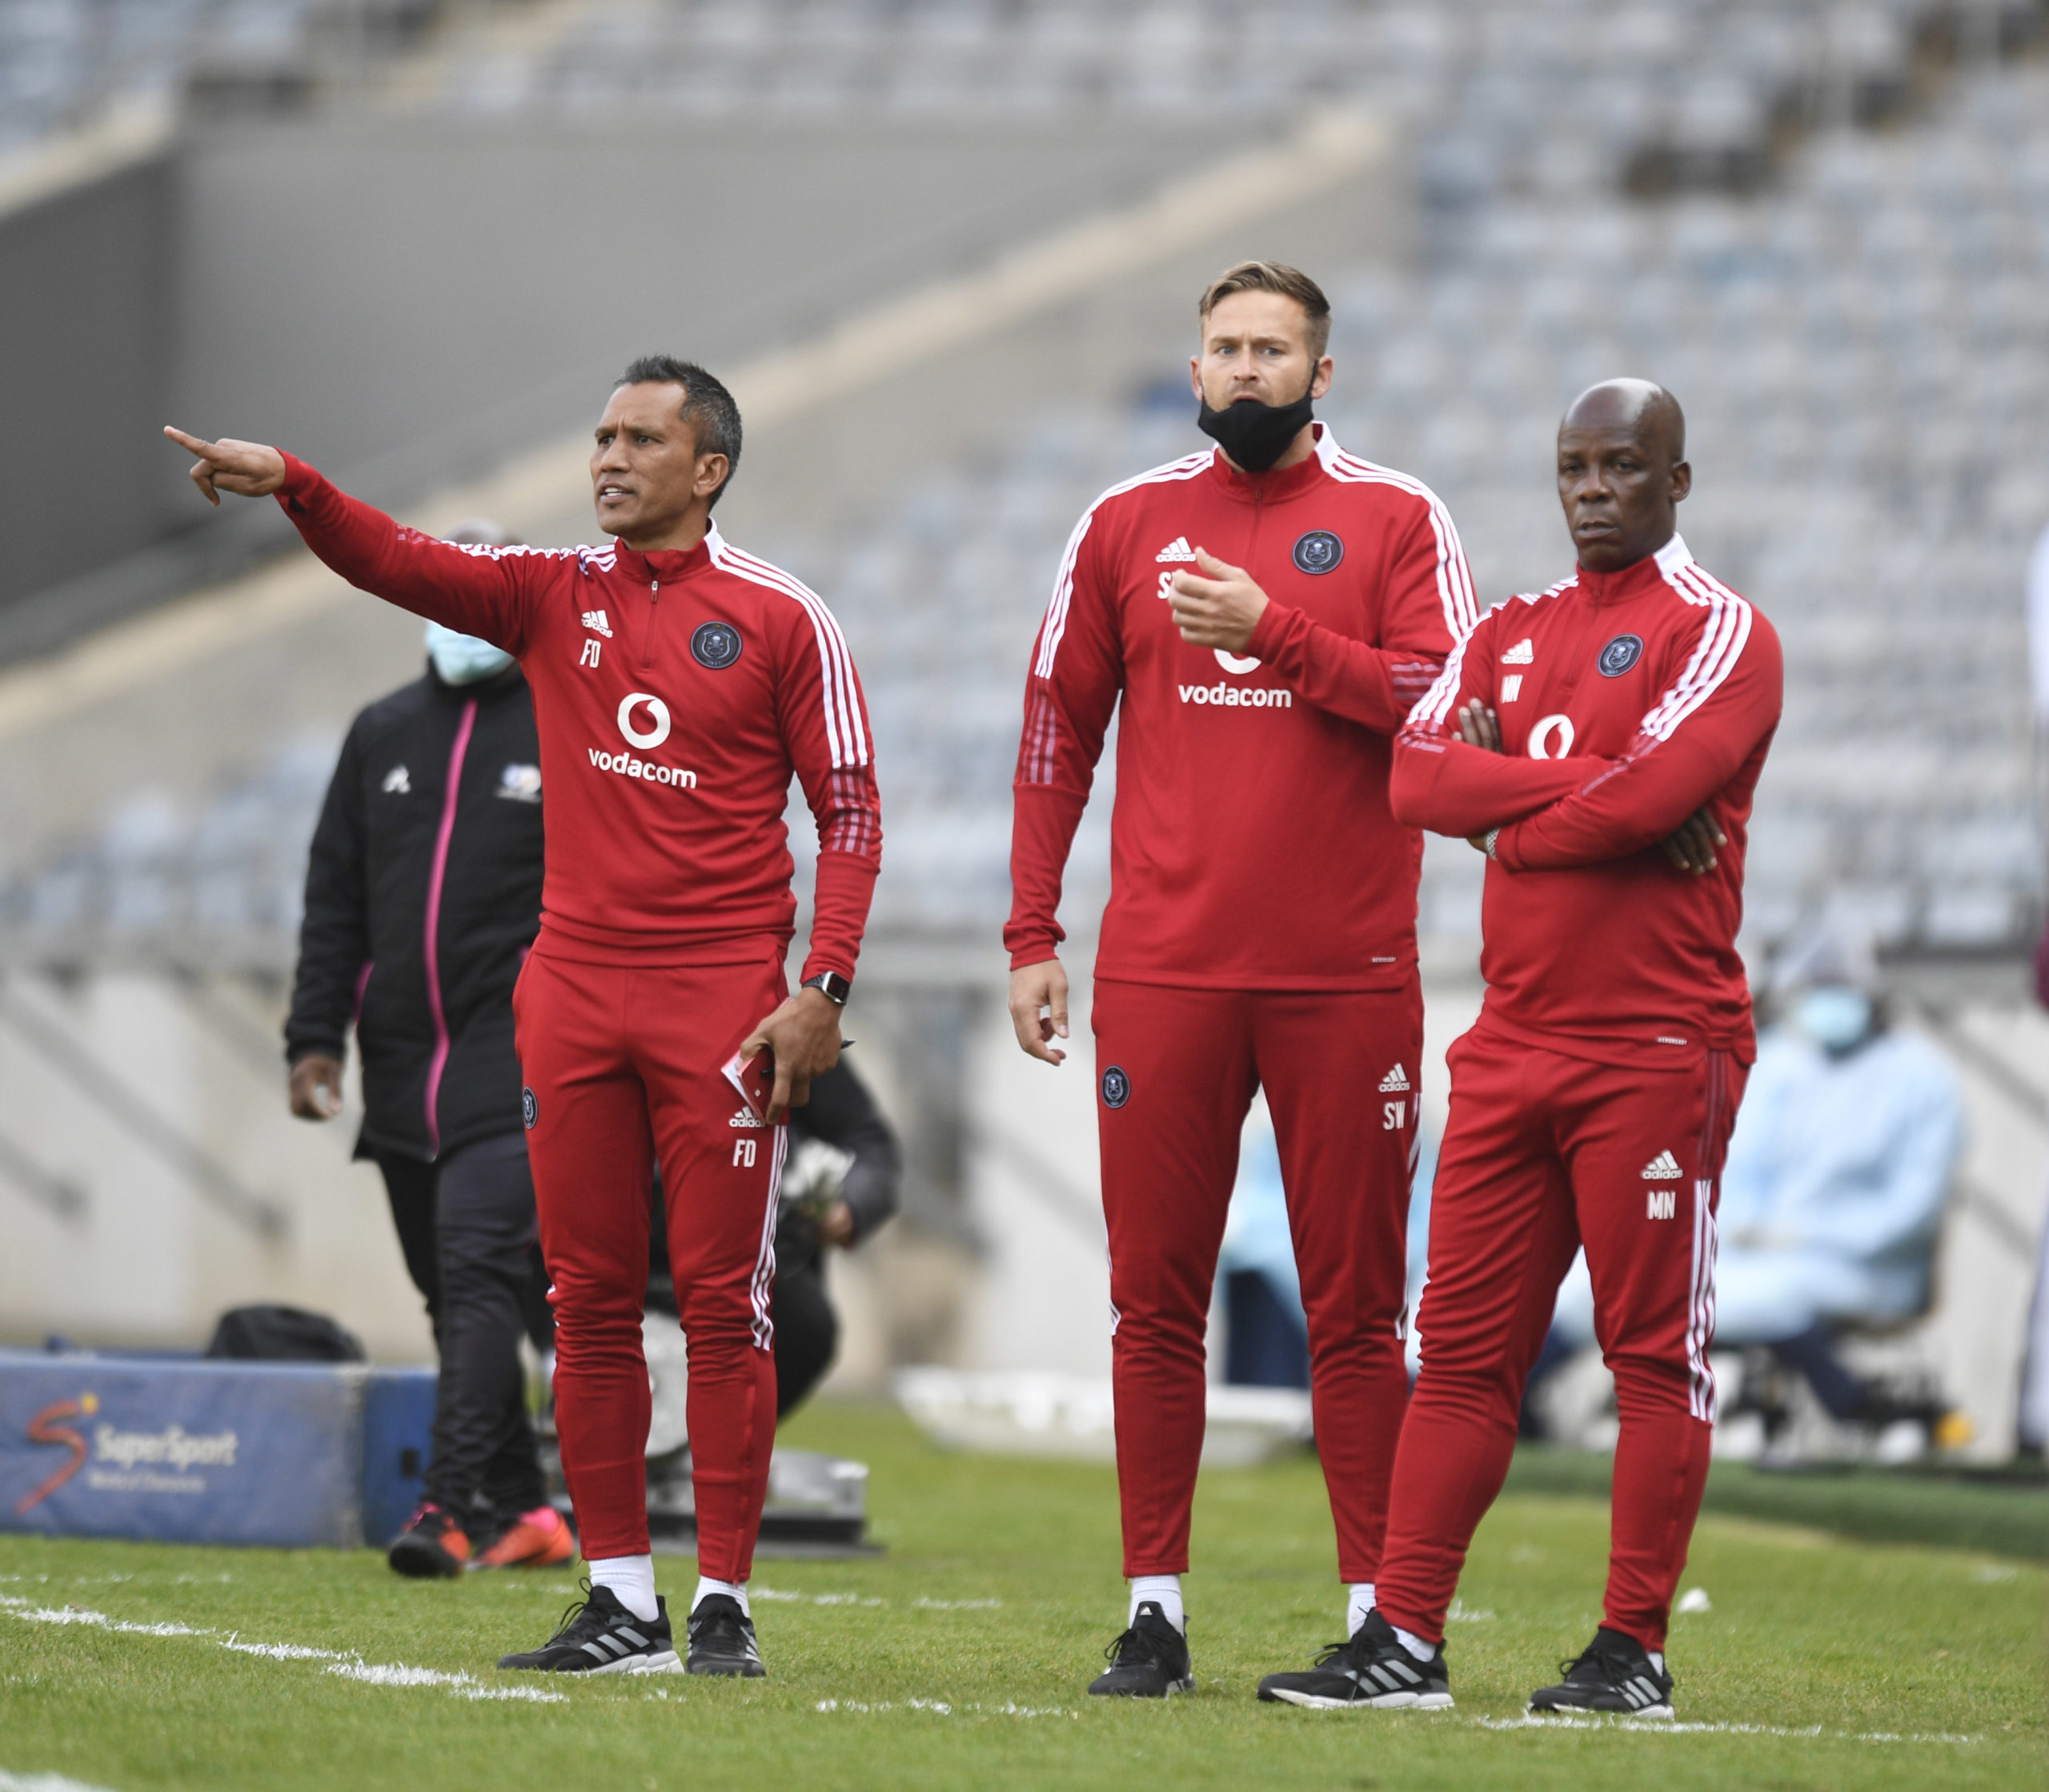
(462,659)
(1833,1017)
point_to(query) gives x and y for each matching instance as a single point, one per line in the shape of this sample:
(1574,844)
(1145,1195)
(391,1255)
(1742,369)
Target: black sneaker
(1615,1674)
(1148,1661)
(1370,1671)
(599,1635)
(722,1639)
(433,1546)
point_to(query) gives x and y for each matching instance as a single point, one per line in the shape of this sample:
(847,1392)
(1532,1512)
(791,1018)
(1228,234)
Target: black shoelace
(1134,1647)
(573,1613)
(1615,1666)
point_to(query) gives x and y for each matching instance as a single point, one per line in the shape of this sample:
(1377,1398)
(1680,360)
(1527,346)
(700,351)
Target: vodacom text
(626,765)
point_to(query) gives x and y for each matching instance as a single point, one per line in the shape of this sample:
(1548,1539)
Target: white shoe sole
(1387,1701)
(666,1662)
(1662,1712)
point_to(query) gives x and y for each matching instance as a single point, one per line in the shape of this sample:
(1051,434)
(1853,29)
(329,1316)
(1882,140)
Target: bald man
(1599,742)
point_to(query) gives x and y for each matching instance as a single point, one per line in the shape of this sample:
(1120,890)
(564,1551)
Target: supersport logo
(46,1428)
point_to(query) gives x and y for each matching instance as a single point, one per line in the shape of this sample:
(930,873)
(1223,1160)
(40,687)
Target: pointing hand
(248,469)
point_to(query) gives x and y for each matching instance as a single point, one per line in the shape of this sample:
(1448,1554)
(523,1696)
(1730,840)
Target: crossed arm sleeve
(1440,782)
(334,938)
(1722,705)
(1070,694)
(476,591)
(824,719)
(1427,604)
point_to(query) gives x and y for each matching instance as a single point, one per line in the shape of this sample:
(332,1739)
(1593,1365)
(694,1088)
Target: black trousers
(467,1226)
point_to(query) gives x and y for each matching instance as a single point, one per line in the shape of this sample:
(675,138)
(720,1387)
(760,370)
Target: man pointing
(677,683)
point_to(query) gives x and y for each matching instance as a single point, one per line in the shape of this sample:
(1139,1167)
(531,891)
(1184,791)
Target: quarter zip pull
(647,638)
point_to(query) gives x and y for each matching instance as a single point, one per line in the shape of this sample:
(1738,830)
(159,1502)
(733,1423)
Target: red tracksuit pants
(1543,1153)
(621,1064)
(1176,1069)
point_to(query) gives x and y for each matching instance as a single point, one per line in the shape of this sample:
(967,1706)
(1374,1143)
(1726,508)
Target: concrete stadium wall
(87,279)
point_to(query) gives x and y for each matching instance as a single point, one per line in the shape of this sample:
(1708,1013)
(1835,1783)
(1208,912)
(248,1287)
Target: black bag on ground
(284,1335)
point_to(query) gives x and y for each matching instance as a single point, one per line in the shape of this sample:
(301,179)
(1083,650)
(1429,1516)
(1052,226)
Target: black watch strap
(833,987)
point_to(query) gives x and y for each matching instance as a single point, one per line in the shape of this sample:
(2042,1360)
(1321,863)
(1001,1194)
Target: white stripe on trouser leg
(1700,1305)
(763,1288)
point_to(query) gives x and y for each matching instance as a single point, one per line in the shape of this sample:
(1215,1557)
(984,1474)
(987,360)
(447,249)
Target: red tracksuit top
(1252,845)
(1627,700)
(675,694)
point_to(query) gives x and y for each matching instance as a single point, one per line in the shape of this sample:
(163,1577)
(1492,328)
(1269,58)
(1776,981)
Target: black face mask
(1253,434)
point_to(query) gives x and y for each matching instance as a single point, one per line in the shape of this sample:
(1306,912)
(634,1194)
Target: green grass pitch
(958,1659)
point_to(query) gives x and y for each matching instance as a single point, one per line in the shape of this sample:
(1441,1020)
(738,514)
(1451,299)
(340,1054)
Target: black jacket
(842,1112)
(439,1067)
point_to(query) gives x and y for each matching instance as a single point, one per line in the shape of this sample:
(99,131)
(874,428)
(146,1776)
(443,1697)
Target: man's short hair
(707,407)
(1290,282)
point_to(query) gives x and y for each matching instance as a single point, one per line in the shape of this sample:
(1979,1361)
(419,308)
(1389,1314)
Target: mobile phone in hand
(755,1080)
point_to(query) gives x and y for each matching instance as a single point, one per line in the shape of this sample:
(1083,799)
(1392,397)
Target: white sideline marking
(787,1598)
(43,1782)
(1667,1726)
(350,1666)
(939,1708)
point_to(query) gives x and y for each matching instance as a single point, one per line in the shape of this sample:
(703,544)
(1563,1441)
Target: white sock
(1357,1605)
(631,1579)
(1164,1591)
(1656,1658)
(1414,1643)
(732,1589)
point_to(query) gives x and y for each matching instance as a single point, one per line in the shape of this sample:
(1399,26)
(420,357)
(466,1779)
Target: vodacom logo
(1540,738)
(1237,663)
(657,710)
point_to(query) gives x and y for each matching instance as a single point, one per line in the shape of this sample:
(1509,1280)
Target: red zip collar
(666,565)
(1638,578)
(1268,488)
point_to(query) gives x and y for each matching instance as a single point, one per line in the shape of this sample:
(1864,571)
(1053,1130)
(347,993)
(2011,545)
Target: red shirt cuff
(1268,632)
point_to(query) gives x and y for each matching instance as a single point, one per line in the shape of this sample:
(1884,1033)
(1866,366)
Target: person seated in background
(843,1181)
(1834,1184)
(1837,1172)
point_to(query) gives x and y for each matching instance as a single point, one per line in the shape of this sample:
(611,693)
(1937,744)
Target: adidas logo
(1663,1168)
(595,618)
(745,1117)
(1397,1079)
(1521,654)
(1178,549)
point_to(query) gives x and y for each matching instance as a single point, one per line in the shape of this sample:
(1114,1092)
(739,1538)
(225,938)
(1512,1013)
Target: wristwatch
(833,987)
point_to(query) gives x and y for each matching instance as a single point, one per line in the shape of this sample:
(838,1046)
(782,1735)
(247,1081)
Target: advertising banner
(182,1449)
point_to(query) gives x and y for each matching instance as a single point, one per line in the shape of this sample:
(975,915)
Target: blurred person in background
(1837,1175)
(1837,1172)
(843,1182)
(1261,926)
(681,685)
(423,896)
